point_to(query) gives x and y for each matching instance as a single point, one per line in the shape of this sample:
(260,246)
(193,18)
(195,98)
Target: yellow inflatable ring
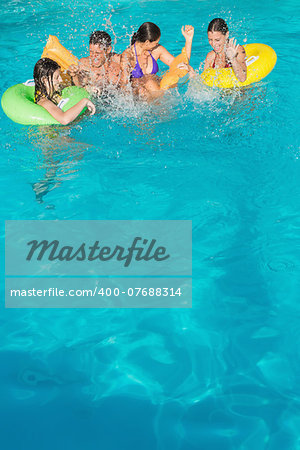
(172,76)
(260,61)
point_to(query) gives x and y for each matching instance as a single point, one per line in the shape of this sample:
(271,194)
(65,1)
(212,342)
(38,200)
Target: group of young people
(135,69)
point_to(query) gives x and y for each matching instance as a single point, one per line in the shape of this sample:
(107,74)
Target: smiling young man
(101,68)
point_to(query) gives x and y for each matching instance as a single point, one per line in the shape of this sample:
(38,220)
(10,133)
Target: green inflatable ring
(18,104)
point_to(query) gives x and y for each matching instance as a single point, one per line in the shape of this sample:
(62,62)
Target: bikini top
(227,65)
(137,71)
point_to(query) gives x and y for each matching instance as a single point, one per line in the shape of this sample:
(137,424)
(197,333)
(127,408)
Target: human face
(150,46)
(98,54)
(217,40)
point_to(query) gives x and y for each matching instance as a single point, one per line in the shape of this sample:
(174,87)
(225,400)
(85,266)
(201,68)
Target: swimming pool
(223,375)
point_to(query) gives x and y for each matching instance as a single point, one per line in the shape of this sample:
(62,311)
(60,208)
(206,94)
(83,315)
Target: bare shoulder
(116,58)
(127,56)
(126,53)
(209,60)
(114,64)
(159,50)
(48,105)
(210,56)
(43,101)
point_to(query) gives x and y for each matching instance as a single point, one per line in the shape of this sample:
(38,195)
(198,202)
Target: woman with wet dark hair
(139,61)
(48,81)
(226,52)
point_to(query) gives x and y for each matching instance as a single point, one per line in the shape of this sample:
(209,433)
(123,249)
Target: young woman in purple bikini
(139,61)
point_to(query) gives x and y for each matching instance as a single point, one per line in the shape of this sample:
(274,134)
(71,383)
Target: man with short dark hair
(101,67)
(100,38)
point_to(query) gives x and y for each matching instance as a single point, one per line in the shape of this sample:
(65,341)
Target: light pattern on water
(223,375)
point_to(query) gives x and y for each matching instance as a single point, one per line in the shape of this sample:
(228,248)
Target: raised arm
(209,60)
(162,53)
(68,116)
(188,33)
(73,71)
(237,56)
(80,73)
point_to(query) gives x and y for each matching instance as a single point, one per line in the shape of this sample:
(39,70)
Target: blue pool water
(224,374)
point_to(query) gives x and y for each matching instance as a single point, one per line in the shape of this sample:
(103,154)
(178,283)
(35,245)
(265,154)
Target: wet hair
(100,38)
(148,31)
(45,67)
(218,25)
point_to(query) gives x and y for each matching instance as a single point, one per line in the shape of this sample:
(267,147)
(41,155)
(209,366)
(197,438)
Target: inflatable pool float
(18,104)
(260,61)
(58,53)
(173,75)
(18,101)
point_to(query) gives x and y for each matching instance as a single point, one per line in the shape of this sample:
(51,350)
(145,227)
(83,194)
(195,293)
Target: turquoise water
(225,374)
